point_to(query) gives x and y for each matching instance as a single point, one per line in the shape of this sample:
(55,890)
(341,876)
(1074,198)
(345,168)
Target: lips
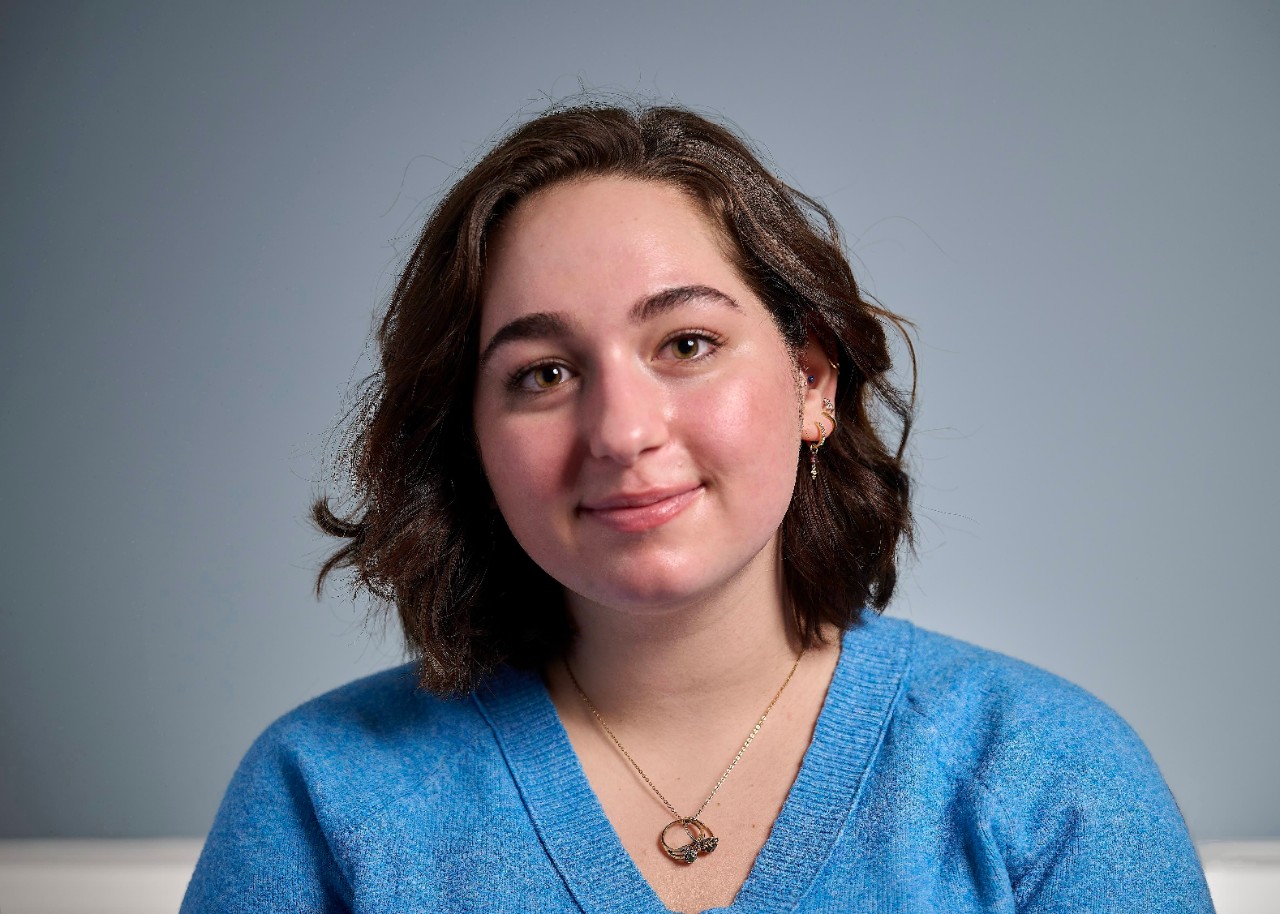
(632,512)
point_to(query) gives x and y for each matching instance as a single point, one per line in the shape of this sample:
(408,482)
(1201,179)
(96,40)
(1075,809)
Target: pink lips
(633,512)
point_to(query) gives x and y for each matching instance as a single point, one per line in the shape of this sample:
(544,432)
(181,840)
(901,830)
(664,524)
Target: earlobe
(813,450)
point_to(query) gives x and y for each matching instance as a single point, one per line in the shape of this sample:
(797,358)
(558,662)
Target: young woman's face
(636,407)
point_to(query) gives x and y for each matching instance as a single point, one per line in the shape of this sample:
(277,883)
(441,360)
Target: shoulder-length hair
(421,532)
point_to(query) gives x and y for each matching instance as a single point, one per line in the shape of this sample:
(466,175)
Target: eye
(686,347)
(690,345)
(541,377)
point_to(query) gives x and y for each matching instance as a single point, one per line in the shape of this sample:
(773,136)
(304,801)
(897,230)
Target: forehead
(593,244)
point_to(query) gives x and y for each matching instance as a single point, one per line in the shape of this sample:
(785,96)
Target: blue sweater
(941,778)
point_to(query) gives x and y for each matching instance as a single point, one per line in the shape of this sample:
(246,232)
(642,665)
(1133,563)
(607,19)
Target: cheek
(523,468)
(752,429)
(531,469)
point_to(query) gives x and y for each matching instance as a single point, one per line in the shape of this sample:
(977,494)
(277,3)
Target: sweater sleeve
(266,850)
(1089,823)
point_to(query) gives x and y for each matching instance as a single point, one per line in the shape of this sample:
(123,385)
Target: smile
(637,512)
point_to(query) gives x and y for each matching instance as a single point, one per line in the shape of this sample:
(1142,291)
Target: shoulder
(347,751)
(1067,793)
(362,769)
(385,705)
(1007,722)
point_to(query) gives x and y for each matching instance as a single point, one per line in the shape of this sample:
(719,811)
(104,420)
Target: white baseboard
(126,876)
(108,876)
(1243,876)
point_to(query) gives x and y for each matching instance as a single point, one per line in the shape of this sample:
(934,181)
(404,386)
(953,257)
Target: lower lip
(644,517)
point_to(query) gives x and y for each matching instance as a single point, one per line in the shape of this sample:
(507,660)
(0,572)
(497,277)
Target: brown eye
(686,347)
(539,378)
(545,376)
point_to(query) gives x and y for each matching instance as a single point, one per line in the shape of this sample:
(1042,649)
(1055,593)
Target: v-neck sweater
(941,777)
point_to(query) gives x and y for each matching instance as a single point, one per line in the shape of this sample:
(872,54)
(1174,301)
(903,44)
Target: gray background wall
(203,206)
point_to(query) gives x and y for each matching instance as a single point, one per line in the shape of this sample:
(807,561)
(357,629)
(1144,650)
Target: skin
(640,419)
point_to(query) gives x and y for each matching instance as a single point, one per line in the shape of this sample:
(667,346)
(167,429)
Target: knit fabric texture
(942,777)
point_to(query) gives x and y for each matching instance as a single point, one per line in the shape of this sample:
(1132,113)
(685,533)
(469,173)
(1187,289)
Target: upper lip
(636,499)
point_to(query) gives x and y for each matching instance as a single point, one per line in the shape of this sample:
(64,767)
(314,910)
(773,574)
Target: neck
(728,649)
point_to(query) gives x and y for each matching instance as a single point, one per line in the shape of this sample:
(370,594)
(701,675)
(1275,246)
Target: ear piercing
(813,450)
(812,379)
(828,410)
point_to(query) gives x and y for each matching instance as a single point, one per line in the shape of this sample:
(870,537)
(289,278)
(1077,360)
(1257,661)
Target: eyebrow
(545,325)
(660,302)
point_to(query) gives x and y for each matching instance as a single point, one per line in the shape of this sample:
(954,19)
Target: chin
(652,601)
(651,590)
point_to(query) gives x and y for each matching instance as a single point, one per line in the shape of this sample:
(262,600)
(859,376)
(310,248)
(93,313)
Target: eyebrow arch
(544,325)
(661,302)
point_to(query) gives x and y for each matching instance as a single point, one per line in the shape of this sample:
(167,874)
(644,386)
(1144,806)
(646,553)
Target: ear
(819,375)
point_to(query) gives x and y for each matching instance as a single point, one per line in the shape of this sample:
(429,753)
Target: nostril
(624,411)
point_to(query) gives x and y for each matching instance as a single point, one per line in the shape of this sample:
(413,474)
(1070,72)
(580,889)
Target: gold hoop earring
(813,450)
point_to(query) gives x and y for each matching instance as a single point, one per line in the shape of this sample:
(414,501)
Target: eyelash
(713,340)
(515,382)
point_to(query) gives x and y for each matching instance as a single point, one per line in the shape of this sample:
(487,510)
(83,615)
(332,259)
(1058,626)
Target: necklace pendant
(701,840)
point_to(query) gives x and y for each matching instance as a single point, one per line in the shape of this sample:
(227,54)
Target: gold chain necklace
(701,840)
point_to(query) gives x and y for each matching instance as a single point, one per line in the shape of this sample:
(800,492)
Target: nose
(625,413)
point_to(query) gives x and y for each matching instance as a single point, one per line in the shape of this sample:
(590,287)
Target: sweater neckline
(582,843)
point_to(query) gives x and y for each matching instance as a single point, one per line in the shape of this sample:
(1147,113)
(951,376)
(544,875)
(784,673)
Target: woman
(624,475)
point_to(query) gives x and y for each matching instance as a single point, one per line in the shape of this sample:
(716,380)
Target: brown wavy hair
(419,531)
